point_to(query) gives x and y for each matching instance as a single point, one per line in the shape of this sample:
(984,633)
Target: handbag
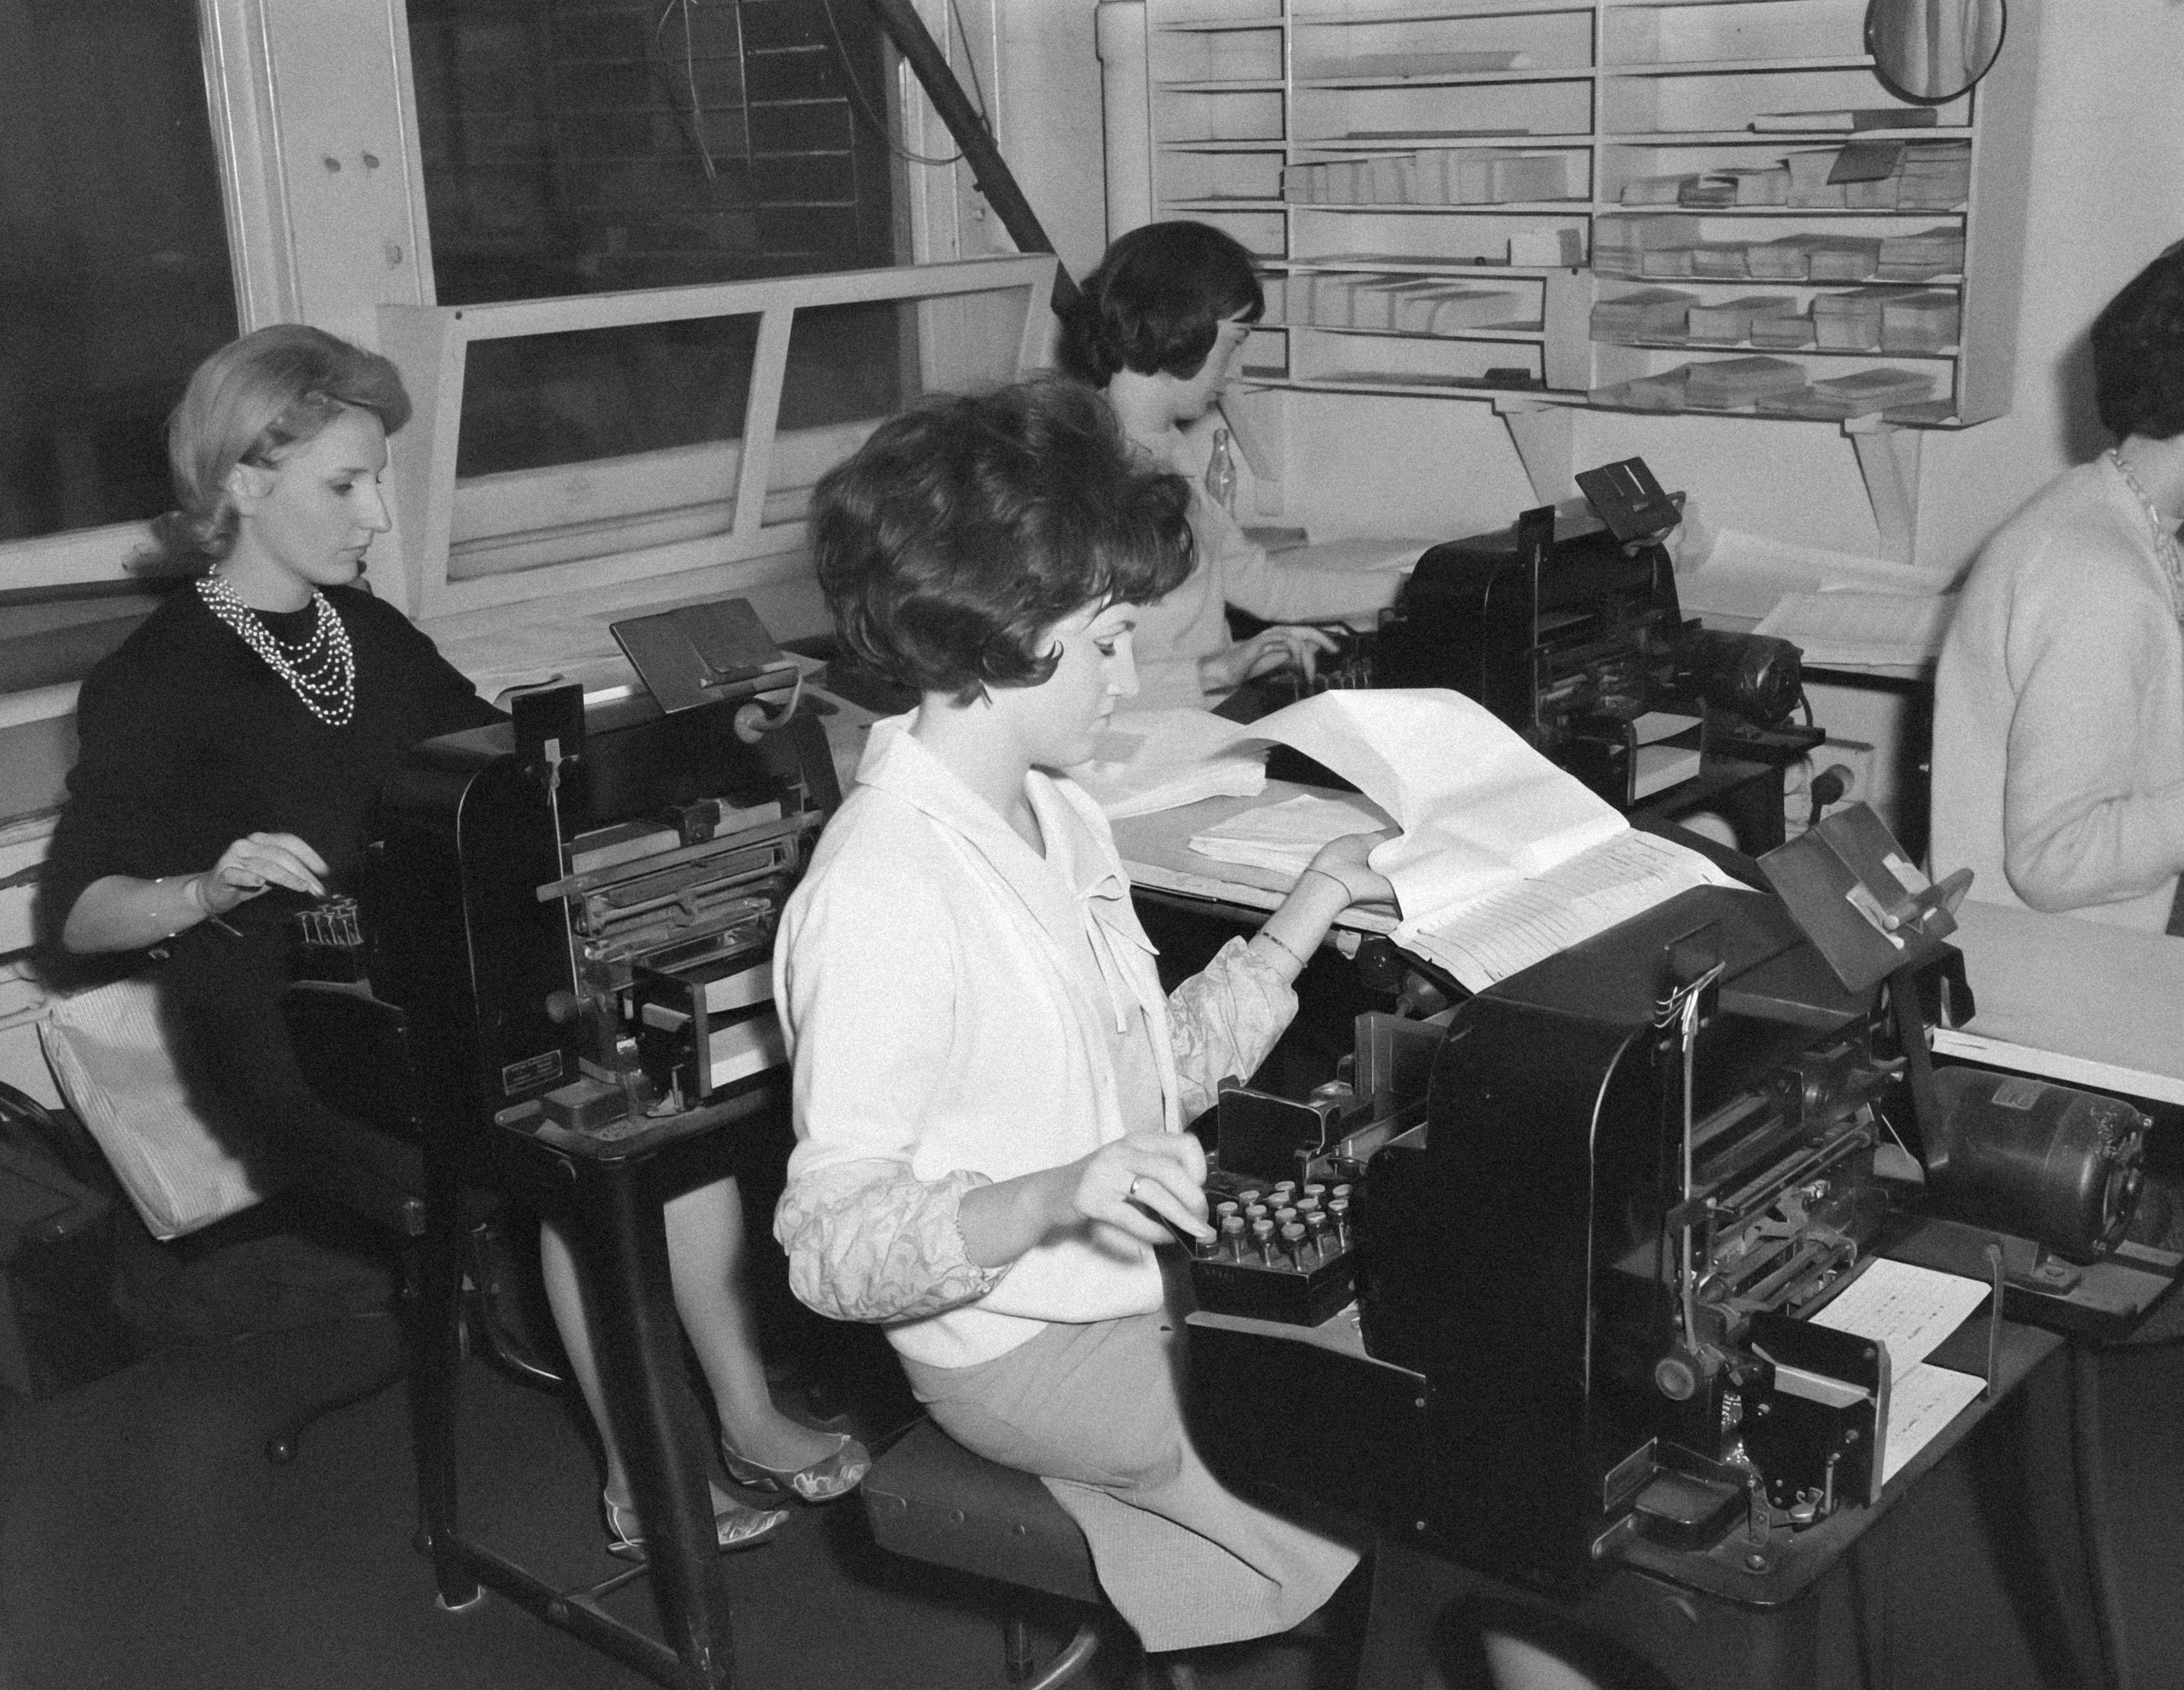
(109,1051)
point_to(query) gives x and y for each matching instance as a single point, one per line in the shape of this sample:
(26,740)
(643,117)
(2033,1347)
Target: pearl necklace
(322,672)
(2165,536)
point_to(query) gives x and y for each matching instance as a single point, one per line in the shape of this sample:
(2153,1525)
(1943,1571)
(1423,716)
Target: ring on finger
(1131,1195)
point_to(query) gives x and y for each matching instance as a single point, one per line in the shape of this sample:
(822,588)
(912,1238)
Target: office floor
(144,1539)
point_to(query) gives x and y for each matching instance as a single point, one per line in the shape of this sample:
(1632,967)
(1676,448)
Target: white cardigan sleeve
(2093,800)
(866,988)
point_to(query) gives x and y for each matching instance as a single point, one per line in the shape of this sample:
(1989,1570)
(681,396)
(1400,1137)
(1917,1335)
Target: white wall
(2107,193)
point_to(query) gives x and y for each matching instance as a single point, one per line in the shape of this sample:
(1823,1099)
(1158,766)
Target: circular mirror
(1932,51)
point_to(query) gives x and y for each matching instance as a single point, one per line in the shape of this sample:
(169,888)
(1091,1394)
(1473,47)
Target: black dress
(189,740)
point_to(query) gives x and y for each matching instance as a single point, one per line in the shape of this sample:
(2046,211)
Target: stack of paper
(1842,258)
(1847,322)
(1654,190)
(1666,261)
(1845,120)
(1780,260)
(1649,314)
(1504,859)
(1784,330)
(1925,322)
(1149,760)
(1745,576)
(1720,261)
(1663,391)
(1935,175)
(1922,256)
(1286,836)
(1762,184)
(1908,1311)
(1708,190)
(1731,320)
(1732,381)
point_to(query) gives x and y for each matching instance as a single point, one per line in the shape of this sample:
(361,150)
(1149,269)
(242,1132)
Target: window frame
(314,131)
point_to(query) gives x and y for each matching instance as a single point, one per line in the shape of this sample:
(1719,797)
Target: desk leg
(620,1240)
(439,1341)
(1409,1591)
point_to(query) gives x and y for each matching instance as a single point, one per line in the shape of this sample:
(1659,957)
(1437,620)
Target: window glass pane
(114,266)
(592,146)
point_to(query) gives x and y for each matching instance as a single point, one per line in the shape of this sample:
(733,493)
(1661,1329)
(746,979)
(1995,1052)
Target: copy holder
(708,653)
(1865,905)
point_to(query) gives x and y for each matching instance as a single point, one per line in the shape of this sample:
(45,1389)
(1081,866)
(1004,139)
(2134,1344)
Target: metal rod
(907,30)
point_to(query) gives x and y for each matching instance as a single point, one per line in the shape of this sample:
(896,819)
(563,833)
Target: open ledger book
(1503,859)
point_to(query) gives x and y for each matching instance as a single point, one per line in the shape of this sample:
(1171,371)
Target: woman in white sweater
(990,1085)
(1155,327)
(2059,729)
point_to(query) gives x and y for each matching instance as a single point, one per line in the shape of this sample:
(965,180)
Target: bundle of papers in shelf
(1503,858)
(1670,248)
(1411,65)
(1922,176)
(1439,175)
(1780,388)
(1845,118)
(1418,305)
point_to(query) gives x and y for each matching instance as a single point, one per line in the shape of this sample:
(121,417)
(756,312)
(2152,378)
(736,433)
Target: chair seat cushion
(933,1500)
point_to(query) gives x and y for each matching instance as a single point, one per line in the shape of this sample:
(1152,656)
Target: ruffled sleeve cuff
(1224,1020)
(869,1241)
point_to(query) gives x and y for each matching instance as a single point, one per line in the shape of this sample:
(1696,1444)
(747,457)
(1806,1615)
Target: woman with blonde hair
(232,750)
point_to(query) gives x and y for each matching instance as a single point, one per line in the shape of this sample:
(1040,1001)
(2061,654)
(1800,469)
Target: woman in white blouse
(1155,328)
(990,1085)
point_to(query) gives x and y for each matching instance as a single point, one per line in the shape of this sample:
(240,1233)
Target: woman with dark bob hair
(231,751)
(1155,328)
(2059,726)
(990,1085)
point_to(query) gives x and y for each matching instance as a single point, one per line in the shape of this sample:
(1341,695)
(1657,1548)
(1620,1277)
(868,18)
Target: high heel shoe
(736,1525)
(835,1474)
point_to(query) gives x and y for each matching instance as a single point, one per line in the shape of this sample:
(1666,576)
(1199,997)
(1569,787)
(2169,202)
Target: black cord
(872,120)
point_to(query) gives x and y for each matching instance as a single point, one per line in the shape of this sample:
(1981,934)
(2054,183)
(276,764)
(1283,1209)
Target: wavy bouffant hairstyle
(253,402)
(964,528)
(1156,301)
(2139,353)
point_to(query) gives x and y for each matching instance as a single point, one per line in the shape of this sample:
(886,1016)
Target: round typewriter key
(1321,1231)
(1249,1195)
(1338,1212)
(1293,1246)
(1233,1248)
(1224,1211)
(1314,1188)
(1256,1211)
(1339,1190)
(1307,1205)
(1262,1241)
(1284,1190)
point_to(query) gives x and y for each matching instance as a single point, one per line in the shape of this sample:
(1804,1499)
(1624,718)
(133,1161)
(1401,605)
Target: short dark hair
(2139,353)
(965,527)
(1156,301)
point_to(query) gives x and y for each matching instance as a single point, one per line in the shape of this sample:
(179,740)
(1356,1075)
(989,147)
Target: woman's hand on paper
(1347,860)
(1268,651)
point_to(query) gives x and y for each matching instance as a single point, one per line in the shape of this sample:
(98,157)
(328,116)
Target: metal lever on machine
(1691,969)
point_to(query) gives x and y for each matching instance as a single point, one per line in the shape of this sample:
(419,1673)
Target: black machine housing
(581,927)
(1574,637)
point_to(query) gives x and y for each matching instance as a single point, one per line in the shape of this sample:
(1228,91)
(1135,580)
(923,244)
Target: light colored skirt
(1093,1411)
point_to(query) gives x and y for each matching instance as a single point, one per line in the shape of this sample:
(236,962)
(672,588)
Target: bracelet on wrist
(193,892)
(1267,935)
(1348,896)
